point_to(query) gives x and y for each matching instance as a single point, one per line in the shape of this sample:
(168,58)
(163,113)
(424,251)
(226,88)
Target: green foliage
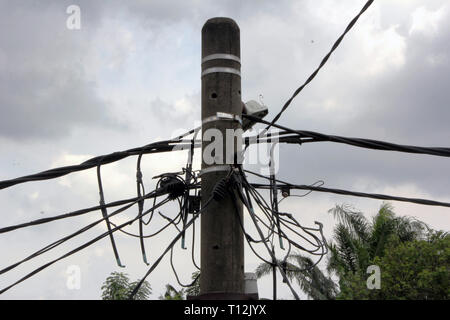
(358,241)
(310,278)
(353,287)
(412,270)
(405,249)
(118,287)
(414,260)
(194,290)
(172,294)
(418,270)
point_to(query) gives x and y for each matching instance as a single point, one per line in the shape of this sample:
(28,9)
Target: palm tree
(309,277)
(357,241)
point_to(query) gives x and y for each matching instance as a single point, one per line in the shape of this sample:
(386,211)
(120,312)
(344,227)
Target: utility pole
(222,240)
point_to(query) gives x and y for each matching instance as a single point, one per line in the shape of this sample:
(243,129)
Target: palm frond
(352,219)
(263,269)
(346,246)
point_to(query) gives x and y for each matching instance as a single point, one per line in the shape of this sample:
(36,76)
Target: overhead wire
(269,215)
(247,202)
(105,217)
(140,186)
(77,212)
(155,147)
(361,143)
(85,245)
(322,63)
(356,194)
(172,243)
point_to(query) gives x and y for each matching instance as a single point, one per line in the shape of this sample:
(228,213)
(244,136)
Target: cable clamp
(223,116)
(221,70)
(215,168)
(222,56)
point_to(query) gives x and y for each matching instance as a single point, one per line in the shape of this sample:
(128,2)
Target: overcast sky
(131,76)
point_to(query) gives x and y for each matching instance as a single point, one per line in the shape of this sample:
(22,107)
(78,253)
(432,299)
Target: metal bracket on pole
(225,167)
(223,116)
(223,56)
(221,69)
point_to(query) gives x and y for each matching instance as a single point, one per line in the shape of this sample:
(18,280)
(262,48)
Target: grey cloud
(196,12)
(407,106)
(43,66)
(184,114)
(44,90)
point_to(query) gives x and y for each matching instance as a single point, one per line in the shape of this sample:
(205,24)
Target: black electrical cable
(105,217)
(151,235)
(353,193)
(156,147)
(174,241)
(362,143)
(187,133)
(162,146)
(176,274)
(66,238)
(193,247)
(323,246)
(154,201)
(322,63)
(247,203)
(272,220)
(187,179)
(247,237)
(274,193)
(265,207)
(279,137)
(77,212)
(85,245)
(171,221)
(284,222)
(281,233)
(318,183)
(62,240)
(139,187)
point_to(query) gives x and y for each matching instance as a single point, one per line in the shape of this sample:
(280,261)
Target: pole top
(220,35)
(221,20)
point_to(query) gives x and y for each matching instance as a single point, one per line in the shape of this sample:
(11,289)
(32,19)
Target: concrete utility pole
(222,241)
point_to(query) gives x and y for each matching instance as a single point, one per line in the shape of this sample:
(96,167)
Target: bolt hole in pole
(213,95)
